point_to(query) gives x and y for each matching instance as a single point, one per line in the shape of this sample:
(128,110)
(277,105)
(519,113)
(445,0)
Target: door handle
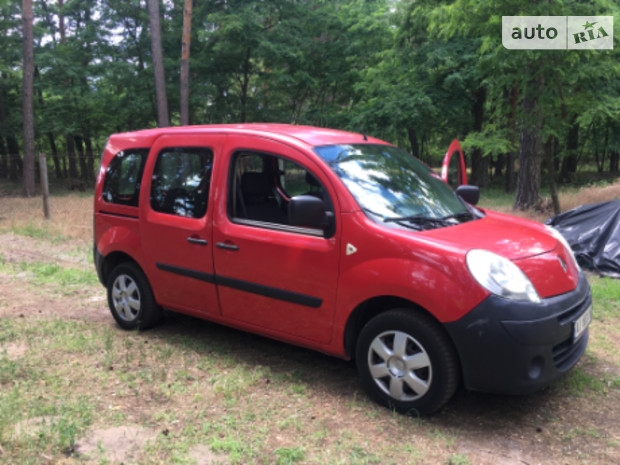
(225,246)
(195,240)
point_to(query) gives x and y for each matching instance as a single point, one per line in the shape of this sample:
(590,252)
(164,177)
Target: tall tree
(27,97)
(530,149)
(163,118)
(185,44)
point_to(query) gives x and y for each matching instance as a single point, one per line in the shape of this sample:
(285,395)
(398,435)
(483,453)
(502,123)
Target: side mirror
(470,194)
(308,211)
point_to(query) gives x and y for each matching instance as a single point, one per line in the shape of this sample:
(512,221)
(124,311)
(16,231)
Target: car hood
(542,258)
(511,237)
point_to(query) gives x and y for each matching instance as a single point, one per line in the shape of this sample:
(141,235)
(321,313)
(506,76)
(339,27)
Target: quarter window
(181,181)
(124,176)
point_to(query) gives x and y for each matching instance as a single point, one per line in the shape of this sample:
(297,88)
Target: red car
(341,243)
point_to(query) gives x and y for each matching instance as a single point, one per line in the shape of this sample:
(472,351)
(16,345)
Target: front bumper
(514,347)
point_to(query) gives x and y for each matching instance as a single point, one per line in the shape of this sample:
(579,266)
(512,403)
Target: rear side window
(181,181)
(124,176)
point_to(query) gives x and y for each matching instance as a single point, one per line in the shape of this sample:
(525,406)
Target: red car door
(271,276)
(176,222)
(453,167)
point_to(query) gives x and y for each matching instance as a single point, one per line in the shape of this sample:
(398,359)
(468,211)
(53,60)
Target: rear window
(124,176)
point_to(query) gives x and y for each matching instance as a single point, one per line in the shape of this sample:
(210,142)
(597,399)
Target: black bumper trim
(515,347)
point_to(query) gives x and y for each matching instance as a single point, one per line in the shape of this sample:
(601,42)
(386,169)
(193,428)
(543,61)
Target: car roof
(308,135)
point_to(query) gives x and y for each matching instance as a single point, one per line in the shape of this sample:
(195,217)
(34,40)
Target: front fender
(443,290)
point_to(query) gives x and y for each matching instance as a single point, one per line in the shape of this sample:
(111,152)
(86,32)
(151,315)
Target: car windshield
(394,187)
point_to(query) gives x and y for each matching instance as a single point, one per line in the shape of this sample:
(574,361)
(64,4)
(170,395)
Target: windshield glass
(393,186)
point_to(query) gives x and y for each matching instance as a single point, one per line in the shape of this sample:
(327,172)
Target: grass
(66,280)
(242,399)
(607,304)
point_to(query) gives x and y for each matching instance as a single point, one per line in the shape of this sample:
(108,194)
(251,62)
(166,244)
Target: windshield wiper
(416,219)
(466,216)
(383,218)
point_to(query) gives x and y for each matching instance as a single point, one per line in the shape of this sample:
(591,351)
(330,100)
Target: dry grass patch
(121,444)
(13,351)
(71,218)
(569,198)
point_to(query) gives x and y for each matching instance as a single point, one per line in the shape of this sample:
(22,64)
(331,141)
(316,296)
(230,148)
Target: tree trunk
(613,162)
(79,146)
(73,173)
(185,44)
(49,135)
(479,167)
(245,81)
(90,159)
(65,170)
(5,154)
(528,181)
(569,163)
(15,161)
(57,166)
(163,120)
(413,140)
(499,166)
(550,149)
(4,160)
(71,170)
(510,183)
(61,22)
(27,98)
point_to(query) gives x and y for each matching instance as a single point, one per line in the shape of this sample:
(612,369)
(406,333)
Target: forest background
(415,73)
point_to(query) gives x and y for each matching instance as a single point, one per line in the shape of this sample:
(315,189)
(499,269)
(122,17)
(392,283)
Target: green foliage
(415,73)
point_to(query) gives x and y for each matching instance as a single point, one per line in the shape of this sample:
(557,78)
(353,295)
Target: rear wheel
(407,362)
(131,299)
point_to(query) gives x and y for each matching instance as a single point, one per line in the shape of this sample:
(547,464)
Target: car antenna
(364,134)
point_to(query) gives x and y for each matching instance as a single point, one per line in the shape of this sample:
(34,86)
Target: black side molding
(268,291)
(199,275)
(246,286)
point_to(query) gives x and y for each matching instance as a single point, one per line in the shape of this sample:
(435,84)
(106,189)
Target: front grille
(566,354)
(574,311)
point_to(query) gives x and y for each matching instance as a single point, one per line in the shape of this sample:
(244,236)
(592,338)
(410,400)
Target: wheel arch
(370,308)
(111,261)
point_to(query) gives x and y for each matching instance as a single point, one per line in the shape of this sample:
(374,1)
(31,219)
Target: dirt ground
(550,427)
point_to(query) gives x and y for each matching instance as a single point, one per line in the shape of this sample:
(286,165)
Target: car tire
(407,362)
(131,299)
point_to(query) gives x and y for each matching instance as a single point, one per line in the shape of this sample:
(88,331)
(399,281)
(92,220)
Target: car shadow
(326,374)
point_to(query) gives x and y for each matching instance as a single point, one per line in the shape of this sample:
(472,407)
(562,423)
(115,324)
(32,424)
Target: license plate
(581,324)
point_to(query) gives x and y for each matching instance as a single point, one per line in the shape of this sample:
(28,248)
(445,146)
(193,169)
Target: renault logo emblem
(563,263)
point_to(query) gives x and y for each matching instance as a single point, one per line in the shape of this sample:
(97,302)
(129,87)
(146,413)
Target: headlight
(500,276)
(555,233)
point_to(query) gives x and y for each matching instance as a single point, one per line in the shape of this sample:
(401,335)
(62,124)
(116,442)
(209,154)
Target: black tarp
(593,232)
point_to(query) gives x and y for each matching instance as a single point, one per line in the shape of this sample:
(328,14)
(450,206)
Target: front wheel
(131,299)
(407,362)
